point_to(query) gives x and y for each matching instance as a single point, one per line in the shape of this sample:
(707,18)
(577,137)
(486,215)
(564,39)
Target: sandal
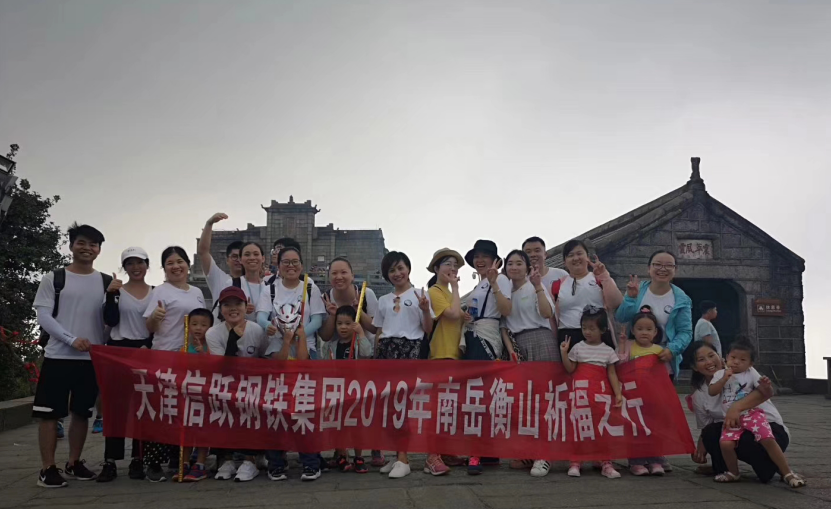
(727,477)
(793,480)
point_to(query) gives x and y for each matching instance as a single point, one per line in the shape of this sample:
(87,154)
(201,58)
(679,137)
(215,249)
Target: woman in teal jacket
(670,305)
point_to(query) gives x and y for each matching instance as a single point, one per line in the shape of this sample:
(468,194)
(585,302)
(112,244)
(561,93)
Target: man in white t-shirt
(67,379)
(704,329)
(534,247)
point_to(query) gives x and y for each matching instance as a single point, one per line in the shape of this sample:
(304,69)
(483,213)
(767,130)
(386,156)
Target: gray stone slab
(809,454)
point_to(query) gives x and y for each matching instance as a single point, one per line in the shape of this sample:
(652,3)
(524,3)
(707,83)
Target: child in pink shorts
(734,383)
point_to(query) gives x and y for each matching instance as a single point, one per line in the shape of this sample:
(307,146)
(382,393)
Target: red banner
(531,410)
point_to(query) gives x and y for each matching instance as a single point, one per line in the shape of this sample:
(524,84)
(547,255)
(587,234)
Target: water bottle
(473,309)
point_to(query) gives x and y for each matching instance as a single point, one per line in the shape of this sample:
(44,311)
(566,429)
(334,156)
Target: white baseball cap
(134,252)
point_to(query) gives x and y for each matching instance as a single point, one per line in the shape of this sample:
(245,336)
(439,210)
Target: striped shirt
(600,355)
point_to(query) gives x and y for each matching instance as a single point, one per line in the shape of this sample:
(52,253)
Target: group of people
(521,310)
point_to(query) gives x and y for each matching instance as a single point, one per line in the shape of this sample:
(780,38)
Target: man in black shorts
(67,379)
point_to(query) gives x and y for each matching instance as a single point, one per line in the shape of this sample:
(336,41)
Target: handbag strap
(484,304)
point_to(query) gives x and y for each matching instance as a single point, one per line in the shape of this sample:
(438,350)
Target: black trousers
(114,446)
(748,450)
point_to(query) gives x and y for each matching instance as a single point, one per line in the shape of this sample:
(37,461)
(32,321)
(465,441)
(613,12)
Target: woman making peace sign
(582,288)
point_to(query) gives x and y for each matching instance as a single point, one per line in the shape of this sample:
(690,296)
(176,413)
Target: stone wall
(319,244)
(740,255)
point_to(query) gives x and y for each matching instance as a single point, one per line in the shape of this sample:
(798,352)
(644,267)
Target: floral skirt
(398,348)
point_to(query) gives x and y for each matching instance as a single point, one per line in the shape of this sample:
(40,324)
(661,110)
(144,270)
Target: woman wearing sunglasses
(671,306)
(582,288)
(404,317)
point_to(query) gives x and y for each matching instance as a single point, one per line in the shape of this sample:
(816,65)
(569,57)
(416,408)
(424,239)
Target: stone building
(755,281)
(319,244)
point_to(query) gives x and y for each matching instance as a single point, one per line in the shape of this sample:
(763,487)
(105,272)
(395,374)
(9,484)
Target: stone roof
(625,229)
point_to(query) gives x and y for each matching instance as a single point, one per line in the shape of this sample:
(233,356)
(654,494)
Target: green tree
(29,248)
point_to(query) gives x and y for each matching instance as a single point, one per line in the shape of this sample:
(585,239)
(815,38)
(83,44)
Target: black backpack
(59,283)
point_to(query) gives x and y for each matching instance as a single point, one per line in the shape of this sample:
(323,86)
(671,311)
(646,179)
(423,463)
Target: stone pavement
(808,417)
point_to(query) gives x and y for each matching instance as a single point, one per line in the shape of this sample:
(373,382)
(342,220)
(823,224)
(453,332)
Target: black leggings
(114,446)
(748,450)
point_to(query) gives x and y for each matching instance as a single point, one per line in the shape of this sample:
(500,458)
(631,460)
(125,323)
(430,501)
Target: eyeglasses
(290,263)
(659,266)
(452,265)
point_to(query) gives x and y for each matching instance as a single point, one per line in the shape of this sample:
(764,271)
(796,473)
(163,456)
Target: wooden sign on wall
(768,307)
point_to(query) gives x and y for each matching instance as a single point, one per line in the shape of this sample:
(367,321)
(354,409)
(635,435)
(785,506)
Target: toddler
(735,382)
(594,350)
(199,321)
(346,329)
(647,340)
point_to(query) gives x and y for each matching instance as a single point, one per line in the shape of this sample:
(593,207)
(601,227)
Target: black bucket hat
(483,246)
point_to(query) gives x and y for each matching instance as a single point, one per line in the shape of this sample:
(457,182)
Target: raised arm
(717,387)
(568,362)
(543,304)
(454,312)
(327,330)
(612,298)
(203,248)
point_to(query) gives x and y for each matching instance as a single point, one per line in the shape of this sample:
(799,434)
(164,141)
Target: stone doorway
(729,298)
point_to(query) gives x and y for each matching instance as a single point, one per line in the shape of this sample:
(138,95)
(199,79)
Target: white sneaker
(386,469)
(227,471)
(574,469)
(540,468)
(246,472)
(399,470)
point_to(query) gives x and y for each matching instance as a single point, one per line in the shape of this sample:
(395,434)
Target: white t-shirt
(553,274)
(219,280)
(739,386)
(707,408)
(599,355)
(371,308)
(662,306)
(177,303)
(587,292)
(253,342)
(131,321)
(476,299)
(705,328)
(80,312)
(407,322)
(525,310)
(294,296)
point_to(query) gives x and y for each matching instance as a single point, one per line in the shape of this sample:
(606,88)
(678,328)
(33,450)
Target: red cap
(232,292)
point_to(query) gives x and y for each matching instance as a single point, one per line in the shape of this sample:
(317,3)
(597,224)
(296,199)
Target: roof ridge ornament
(695,178)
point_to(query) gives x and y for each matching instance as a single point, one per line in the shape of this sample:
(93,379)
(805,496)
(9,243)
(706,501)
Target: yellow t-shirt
(445,342)
(639,351)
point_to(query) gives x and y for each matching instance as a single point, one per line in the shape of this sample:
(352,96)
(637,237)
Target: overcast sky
(440,122)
